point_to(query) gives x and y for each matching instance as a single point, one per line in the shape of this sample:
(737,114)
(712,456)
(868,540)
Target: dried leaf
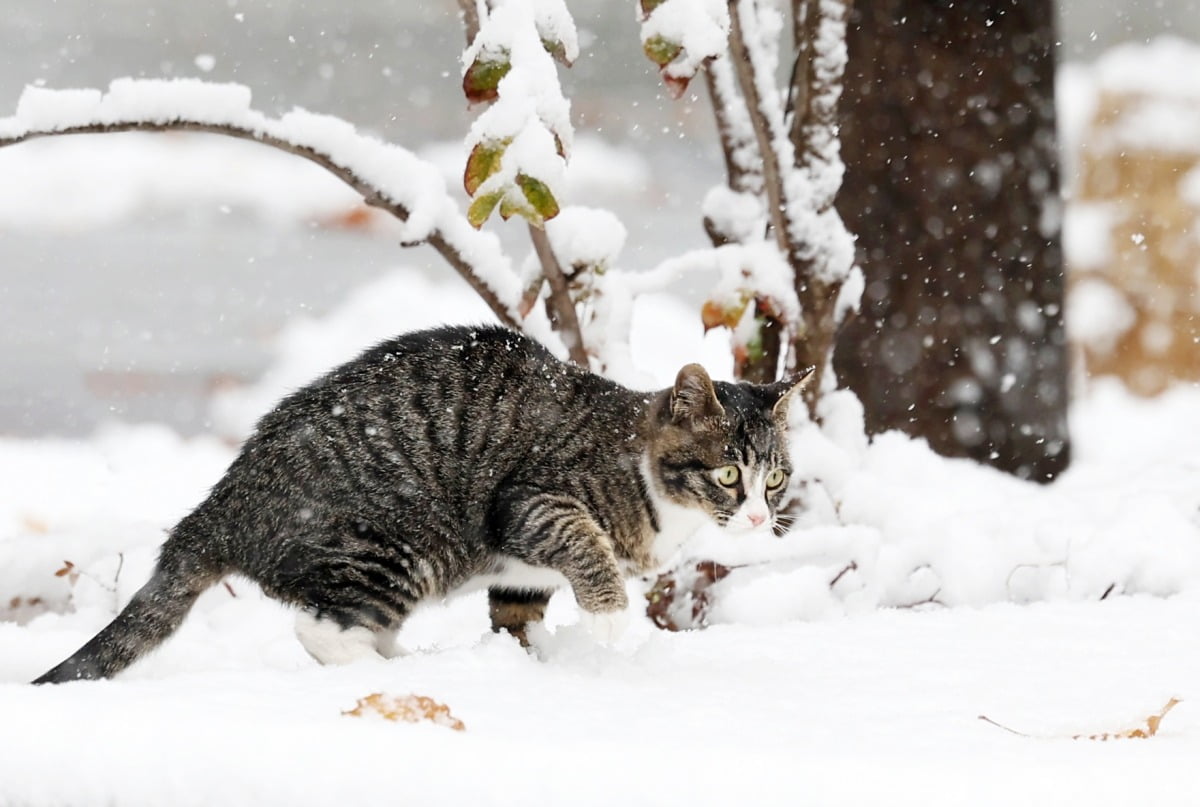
(482,79)
(483,161)
(35,525)
(557,50)
(724,313)
(1137,733)
(67,568)
(648,6)
(529,299)
(680,600)
(409,708)
(676,85)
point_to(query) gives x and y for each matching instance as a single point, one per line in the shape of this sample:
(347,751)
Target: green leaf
(539,196)
(482,207)
(661,51)
(483,161)
(483,77)
(510,206)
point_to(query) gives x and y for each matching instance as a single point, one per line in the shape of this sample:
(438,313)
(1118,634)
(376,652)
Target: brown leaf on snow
(1138,733)
(35,525)
(409,708)
(68,571)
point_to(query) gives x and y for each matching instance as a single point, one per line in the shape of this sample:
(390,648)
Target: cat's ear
(693,398)
(781,393)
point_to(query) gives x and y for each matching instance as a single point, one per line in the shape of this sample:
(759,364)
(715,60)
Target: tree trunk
(952,187)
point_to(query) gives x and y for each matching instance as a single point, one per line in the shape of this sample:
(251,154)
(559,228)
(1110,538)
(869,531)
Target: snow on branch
(518,146)
(388,176)
(680,36)
(816,225)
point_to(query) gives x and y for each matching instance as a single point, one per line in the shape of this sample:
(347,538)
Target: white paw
(605,628)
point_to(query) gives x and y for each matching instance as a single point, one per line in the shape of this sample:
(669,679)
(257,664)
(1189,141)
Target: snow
(700,27)
(1100,315)
(586,236)
(394,172)
(530,112)
(1057,610)
(799,690)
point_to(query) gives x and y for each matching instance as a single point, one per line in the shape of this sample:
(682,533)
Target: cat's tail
(154,613)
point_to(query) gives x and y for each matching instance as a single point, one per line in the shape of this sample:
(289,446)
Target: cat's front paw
(608,627)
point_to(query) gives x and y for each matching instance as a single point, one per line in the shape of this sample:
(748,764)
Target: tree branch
(747,75)
(718,77)
(559,304)
(372,195)
(803,30)
(470,18)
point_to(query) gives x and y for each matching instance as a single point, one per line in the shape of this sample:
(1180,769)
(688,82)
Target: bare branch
(559,304)
(803,19)
(747,75)
(719,79)
(372,195)
(470,18)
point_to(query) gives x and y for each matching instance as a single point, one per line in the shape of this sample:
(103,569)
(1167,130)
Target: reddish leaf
(648,6)
(676,85)
(482,79)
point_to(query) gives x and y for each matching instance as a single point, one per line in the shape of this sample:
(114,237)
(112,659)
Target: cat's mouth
(739,524)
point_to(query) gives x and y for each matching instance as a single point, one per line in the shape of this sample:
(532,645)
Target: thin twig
(746,72)
(852,566)
(739,177)
(987,719)
(372,195)
(559,304)
(803,17)
(470,18)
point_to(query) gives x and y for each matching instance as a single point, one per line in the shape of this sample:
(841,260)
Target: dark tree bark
(952,188)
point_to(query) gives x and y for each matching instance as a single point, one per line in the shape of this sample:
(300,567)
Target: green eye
(728,475)
(776,478)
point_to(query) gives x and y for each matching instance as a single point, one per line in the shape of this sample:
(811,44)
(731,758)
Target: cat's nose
(756,519)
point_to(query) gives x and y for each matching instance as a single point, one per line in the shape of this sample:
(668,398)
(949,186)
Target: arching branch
(372,195)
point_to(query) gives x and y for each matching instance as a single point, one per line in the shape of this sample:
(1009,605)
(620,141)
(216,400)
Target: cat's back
(458,393)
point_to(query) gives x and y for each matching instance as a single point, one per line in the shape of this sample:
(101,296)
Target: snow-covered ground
(846,663)
(800,691)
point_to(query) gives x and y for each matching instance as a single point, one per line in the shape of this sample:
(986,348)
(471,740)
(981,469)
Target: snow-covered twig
(742,165)
(762,106)
(559,304)
(388,177)
(470,18)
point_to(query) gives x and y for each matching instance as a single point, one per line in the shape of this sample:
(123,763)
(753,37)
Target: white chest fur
(676,523)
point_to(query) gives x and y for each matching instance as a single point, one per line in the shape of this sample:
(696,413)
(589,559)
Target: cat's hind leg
(515,610)
(327,641)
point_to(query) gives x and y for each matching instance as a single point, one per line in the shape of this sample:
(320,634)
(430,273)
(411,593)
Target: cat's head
(722,448)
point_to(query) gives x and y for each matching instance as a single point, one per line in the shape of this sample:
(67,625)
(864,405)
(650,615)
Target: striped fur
(444,457)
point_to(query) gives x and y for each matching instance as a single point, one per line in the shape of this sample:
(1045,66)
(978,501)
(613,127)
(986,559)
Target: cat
(459,458)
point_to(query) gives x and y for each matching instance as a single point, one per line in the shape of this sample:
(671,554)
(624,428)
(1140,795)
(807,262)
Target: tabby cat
(460,458)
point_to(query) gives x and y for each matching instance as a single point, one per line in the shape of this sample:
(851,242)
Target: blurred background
(139,274)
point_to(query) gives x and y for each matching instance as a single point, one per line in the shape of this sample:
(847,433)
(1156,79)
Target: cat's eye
(728,475)
(776,478)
